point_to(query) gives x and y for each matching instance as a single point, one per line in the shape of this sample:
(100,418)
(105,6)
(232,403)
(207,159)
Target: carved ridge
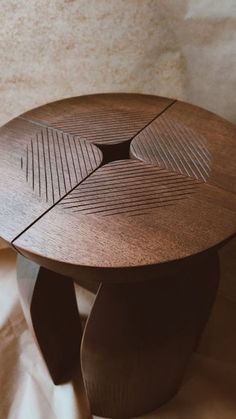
(58,165)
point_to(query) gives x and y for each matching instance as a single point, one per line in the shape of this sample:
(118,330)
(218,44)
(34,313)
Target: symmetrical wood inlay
(128,187)
(173,146)
(55,162)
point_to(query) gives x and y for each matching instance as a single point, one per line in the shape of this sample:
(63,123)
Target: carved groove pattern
(128,187)
(173,146)
(56,162)
(167,162)
(105,126)
(117,393)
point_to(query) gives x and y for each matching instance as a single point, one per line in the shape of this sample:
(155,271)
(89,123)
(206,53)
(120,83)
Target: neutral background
(53,49)
(58,48)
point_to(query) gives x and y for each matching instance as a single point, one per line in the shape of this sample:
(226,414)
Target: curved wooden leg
(139,337)
(49,304)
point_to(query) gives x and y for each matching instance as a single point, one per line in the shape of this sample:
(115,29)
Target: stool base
(137,340)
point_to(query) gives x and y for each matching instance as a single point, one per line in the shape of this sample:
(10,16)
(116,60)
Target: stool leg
(49,304)
(139,337)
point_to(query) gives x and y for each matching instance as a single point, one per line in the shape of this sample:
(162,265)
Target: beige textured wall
(50,49)
(58,48)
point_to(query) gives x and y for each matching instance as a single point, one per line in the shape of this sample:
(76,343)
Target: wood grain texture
(128,187)
(54,163)
(173,146)
(138,340)
(41,161)
(141,340)
(19,207)
(220,136)
(52,316)
(116,111)
(131,195)
(140,180)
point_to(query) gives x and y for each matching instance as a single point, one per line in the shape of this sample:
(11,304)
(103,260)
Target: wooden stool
(131,196)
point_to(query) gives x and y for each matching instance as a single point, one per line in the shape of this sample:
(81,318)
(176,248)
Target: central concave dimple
(115,151)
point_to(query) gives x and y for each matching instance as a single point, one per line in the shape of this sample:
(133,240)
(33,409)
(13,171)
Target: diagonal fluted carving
(128,187)
(143,169)
(55,162)
(168,144)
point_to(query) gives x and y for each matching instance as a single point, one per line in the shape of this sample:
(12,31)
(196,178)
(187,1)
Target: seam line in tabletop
(79,183)
(44,125)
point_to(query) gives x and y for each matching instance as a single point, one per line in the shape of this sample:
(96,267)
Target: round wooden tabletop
(117,180)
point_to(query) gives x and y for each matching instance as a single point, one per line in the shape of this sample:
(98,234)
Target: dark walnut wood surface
(116,180)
